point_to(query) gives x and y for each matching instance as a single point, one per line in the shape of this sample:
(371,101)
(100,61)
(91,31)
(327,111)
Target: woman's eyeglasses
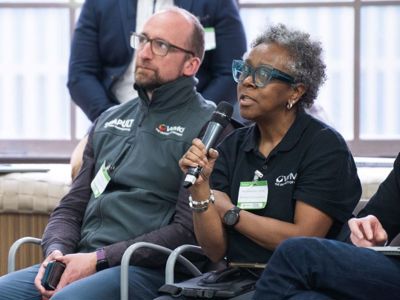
(261,75)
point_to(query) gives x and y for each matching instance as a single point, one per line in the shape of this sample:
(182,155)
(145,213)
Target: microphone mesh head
(222,114)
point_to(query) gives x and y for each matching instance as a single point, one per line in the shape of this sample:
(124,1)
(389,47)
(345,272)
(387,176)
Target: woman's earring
(289,105)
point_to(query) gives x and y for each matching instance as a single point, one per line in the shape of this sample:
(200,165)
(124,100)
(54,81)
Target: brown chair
(26,201)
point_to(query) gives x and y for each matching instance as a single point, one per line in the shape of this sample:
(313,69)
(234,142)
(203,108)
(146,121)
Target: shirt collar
(169,94)
(291,138)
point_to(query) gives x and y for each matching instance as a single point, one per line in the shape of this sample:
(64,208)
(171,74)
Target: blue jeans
(143,285)
(312,268)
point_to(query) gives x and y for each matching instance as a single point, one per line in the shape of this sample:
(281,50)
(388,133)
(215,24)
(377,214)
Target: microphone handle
(214,129)
(191,176)
(211,135)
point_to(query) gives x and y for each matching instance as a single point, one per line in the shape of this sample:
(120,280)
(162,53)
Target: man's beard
(150,79)
(150,82)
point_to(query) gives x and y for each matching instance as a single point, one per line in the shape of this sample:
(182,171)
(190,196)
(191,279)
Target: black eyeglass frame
(237,67)
(149,40)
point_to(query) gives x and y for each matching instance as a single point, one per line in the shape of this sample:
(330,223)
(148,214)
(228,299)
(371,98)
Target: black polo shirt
(311,163)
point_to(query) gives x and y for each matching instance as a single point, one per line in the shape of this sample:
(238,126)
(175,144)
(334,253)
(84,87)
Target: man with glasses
(101,62)
(127,190)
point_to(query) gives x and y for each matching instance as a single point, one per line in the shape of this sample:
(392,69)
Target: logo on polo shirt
(120,124)
(167,130)
(285,179)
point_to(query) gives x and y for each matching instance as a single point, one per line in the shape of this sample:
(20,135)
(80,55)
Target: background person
(307,268)
(138,144)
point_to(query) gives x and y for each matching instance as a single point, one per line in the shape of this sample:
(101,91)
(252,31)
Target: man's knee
(19,285)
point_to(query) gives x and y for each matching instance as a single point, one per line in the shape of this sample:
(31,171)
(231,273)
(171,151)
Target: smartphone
(52,274)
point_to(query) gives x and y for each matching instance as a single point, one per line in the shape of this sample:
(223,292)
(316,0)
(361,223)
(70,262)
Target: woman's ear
(191,66)
(298,90)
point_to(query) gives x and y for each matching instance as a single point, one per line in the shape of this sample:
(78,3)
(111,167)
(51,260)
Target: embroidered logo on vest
(124,125)
(167,130)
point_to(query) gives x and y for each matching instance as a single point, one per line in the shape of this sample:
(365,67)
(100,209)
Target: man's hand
(367,232)
(46,294)
(78,266)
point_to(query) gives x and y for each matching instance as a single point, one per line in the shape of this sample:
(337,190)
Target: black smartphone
(52,274)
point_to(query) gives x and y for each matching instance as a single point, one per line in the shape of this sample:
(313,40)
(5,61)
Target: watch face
(231,217)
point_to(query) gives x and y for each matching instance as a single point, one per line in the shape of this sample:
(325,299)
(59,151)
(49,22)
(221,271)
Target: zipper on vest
(118,159)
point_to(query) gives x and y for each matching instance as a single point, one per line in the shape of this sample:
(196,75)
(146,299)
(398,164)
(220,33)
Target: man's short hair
(196,38)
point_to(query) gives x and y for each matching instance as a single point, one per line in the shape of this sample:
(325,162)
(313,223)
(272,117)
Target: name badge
(209,38)
(253,194)
(100,181)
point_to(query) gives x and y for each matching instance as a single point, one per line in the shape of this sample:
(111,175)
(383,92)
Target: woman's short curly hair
(306,64)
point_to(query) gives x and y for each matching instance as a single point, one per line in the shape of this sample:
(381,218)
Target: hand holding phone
(52,274)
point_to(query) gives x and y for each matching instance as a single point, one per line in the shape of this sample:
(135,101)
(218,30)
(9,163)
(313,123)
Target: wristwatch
(231,217)
(102,262)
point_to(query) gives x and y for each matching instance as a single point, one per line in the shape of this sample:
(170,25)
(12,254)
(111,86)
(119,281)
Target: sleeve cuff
(53,247)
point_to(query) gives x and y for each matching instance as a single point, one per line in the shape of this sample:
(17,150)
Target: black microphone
(219,119)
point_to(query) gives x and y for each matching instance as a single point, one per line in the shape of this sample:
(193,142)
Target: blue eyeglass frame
(239,65)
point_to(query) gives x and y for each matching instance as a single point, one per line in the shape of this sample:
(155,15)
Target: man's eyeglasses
(261,75)
(158,46)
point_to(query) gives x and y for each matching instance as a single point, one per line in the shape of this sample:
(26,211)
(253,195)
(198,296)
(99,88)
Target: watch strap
(102,262)
(236,209)
(233,211)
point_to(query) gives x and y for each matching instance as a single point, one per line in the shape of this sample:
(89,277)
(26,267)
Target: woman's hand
(197,156)
(367,232)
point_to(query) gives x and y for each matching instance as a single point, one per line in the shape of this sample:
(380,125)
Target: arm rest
(127,257)
(125,264)
(14,248)
(176,255)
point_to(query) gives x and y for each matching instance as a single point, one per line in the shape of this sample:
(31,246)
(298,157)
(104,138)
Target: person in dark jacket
(101,62)
(311,268)
(100,69)
(128,188)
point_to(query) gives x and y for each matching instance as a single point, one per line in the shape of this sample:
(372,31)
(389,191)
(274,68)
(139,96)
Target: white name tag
(209,38)
(253,194)
(100,181)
